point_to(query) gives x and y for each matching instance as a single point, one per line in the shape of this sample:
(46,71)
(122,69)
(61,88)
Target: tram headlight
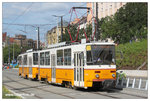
(113,75)
(97,75)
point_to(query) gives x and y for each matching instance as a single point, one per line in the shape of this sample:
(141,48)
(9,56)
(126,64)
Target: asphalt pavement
(29,89)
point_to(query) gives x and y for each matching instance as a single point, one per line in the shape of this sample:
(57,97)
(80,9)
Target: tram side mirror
(81,56)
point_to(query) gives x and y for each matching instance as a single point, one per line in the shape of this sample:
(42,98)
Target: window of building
(35,58)
(42,58)
(59,57)
(89,12)
(67,57)
(110,6)
(121,4)
(115,5)
(25,60)
(47,58)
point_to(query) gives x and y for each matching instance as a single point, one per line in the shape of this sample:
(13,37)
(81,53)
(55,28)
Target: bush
(134,55)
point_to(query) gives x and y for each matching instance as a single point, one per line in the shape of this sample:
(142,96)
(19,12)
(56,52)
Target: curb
(135,73)
(16,94)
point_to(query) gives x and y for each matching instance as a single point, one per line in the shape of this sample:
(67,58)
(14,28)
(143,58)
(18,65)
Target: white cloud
(13,9)
(16,8)
(40,7)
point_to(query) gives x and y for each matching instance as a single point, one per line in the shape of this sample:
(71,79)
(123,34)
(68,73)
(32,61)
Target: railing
(130,82)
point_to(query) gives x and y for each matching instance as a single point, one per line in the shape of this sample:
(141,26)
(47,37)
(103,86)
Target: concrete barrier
(135,73)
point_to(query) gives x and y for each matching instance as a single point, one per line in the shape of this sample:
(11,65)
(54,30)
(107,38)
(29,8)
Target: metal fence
(130,82)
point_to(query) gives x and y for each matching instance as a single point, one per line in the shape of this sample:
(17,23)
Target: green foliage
(5,92)
(129,23)
(17,51)
(74,30)
(134,55)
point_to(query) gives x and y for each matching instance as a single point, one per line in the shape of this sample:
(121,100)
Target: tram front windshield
(101,55)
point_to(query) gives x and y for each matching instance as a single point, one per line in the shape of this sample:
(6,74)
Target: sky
(35,13)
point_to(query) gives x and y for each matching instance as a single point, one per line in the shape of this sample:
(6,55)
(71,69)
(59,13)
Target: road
(29,89)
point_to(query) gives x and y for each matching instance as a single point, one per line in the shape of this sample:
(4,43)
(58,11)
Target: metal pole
(13,52)
(9,49)
(57,30)
(96,21)
(133,83)
(93,25)
(127,84)
(38,40)
(61,28)
(21,45)
(140,83)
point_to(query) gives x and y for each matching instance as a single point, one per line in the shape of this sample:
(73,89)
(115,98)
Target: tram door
(79,69)
(23,66)
(30,67)
(53,68)
(22,72)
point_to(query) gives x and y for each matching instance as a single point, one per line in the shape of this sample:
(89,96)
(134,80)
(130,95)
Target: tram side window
(59,57)
(25,60)
(35,58)
(47,58)
(19,60)
(42,58)
(67,56)
(89,57)
(74,59)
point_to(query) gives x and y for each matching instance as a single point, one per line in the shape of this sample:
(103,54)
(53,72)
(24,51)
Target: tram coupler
(108,84)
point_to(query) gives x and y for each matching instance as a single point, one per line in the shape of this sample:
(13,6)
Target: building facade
(81,23)
(104,9)
(23,41)
(52,35)
(20,40)
(4,36)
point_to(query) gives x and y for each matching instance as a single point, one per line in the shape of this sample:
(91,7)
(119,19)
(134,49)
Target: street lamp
(57,27)
(61,27)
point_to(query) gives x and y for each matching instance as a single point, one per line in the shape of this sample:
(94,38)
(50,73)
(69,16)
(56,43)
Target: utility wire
(26,10)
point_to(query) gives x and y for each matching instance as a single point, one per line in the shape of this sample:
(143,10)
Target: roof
(4,36)
(11,40)
(77,44)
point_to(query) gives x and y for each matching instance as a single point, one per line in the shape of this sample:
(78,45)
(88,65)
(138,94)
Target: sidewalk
(136,73)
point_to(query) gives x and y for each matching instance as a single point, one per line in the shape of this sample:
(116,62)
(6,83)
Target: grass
(134,55)
(7,94)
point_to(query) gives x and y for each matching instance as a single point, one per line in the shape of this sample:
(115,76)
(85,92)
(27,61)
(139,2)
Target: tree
(81,34)
(66,36)
(17,51)
(129,23)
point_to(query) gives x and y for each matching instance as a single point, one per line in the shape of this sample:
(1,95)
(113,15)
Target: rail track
(41,89)
(61,94)
(36,87)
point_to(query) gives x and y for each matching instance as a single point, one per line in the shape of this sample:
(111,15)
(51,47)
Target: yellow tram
(75,65)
